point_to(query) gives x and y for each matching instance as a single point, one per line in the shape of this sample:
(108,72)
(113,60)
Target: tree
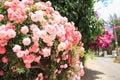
(81,12)
(114,21)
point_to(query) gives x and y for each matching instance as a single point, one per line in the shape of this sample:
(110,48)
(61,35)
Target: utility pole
(116,41)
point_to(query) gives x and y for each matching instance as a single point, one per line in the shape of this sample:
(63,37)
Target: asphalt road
(102,68)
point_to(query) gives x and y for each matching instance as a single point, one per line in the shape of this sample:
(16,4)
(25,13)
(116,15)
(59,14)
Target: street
(102,68)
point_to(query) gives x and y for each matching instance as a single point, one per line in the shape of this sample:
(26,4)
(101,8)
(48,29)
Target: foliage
(37,43)
(81,12)
(88,55)
(113,22)
(117,59)
(118,35)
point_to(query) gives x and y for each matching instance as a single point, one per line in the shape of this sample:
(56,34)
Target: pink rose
(62,39)
(61,66)
(3,42)
(36,32)
(24,30)
(26,41)
(38,16)
(1,73)
(42,34)
(50,29)
(10,26)
(41,5)
(46,52)
(59,71)
(28,1)
(2,50)
(77,77)
(65,66)
(20,54)
(40,75)
(4,60)
(64,57)
(16,48)
(35,39)
(28,58)
(13,70)
(62,46)
(77,37)
(7,4)
(11,33)
(50,44)
(1,17)
(3,34)
(48,3)
(58,60)
(82,72)
(34,48)
(37,59)
(32,26)
(50,10)
(56,70)
(28,65)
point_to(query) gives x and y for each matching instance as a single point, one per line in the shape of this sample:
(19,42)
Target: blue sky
(105,8)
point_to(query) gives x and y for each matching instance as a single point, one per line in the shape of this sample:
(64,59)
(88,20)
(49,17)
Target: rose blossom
(3,42)
(4,60)
(38,16)
(36,32)
(65,65)
(37,59)
(50,29)
(48,3)
(20,54)
(1,17)
(26,41)
(40,75)
(58,60)
(46,52)
(27,65)
(16,48)
(2,50)
(59,71)
(1,73)
(3,34)
(32,26)
(28,58)
(11,33)
(13,70)
(28,1)
(24,30)
(62,46)
(61,66)
(34,48)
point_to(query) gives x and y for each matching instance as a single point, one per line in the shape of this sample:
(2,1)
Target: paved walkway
(102,69)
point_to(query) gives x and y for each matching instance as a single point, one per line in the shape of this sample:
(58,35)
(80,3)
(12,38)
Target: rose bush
(37,43)
(103,41)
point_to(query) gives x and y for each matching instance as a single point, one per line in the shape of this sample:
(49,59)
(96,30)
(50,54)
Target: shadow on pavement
(91,74)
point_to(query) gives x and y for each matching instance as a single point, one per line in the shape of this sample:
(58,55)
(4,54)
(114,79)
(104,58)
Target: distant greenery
(89,55)
(81,12)
(117,59)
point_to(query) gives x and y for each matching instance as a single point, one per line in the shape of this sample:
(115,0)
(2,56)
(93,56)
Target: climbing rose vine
(102,41)
(37,43)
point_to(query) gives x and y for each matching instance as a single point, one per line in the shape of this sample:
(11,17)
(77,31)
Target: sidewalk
(94,72)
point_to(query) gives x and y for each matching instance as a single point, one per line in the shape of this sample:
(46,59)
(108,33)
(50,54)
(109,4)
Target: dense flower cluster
(37,42)
(102,41)
(105,40)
